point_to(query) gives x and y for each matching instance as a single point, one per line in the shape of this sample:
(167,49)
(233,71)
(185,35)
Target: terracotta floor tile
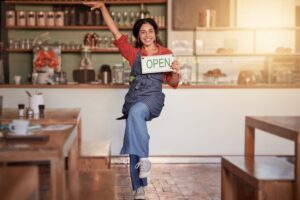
(174,182)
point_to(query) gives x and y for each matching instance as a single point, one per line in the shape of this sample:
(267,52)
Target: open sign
(157,64)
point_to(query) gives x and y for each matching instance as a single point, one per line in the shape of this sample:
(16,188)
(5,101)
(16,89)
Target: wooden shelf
(246,29)
(69,27)
(106,50)
(240,54)
(118,86)
(74,2)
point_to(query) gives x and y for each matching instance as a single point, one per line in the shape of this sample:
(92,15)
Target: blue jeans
(136,182)
(136,138)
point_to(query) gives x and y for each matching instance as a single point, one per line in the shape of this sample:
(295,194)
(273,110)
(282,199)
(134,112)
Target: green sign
(157,64)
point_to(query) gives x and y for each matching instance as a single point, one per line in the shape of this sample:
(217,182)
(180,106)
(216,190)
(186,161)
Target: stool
(256,178)
(95,155)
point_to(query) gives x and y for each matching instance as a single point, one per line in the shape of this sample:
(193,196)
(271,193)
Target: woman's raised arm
(106,16)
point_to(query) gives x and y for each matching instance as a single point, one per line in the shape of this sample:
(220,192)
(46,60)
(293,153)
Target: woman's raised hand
(94,4)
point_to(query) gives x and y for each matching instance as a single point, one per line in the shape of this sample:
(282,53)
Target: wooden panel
(185,14)
(256,178)
(97,184)
(19,183)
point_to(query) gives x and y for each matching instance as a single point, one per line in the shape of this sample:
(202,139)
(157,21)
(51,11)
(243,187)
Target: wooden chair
(257,178)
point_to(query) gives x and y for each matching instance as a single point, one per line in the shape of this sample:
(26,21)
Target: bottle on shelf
(144,12)
(147,13)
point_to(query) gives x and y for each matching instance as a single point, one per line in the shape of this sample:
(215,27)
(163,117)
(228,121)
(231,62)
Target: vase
(49,71)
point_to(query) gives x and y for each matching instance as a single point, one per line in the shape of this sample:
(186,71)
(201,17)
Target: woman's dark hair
(136,29)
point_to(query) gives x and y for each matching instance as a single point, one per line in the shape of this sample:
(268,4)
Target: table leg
(226,185)
(249,141)
(58,179)
(73,156)
(79,137)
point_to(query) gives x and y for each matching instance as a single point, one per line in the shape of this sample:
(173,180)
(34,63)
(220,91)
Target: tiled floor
(174,182)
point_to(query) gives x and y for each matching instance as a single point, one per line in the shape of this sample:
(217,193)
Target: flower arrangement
(47,57)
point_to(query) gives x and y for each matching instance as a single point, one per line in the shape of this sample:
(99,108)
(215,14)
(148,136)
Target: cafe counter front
(205,121)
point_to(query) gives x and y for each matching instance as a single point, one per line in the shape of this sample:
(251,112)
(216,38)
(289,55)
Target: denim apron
(146,88)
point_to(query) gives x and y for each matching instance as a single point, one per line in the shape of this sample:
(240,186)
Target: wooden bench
(95,155)
(19,183)
(91,185)
(257,178)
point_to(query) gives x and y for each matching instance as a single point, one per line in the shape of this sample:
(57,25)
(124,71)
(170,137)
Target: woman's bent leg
(136,138)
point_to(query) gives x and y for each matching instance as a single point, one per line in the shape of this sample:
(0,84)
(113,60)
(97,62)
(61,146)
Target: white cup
(19,126)
(17,80)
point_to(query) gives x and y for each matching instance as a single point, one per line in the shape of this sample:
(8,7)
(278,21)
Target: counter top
(124,86)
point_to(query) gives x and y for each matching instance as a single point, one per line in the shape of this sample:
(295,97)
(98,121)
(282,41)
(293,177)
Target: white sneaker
(145,168)
(140,193)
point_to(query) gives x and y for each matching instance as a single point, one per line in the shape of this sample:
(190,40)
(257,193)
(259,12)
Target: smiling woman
(145,99)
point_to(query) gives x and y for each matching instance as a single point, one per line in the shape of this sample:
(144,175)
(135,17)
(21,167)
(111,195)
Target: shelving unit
(68,28)
(208,42)
(124,2)
(64,34)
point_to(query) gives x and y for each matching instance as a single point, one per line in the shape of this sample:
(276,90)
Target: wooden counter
(124,86)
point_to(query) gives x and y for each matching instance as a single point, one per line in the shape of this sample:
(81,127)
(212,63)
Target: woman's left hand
(175,67)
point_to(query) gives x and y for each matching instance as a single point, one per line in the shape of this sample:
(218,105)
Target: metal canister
(41,19)
(50,18)
(21,18)
(10,18)
(30,18)
(59,18)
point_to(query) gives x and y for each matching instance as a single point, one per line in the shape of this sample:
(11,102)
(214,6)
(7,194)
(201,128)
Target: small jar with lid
(10,18)
(59,18)
(21,18)
(41,18)
(50,18)
(118,74)
(31,18)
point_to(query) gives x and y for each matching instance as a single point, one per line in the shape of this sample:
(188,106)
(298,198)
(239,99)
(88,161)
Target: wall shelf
(106,50)
(74,2)
(68,28)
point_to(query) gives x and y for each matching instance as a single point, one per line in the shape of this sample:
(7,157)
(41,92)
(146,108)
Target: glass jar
(30,18)
(50,18)
(21,18)
(59,18)
(41,19)
(10,18)
(86,59)
(118,74)
(185,74)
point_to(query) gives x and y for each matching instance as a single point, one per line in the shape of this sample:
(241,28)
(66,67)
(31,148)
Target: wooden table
(59,144)
(51,116)
(285,127)
(19,183)
(253,177)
